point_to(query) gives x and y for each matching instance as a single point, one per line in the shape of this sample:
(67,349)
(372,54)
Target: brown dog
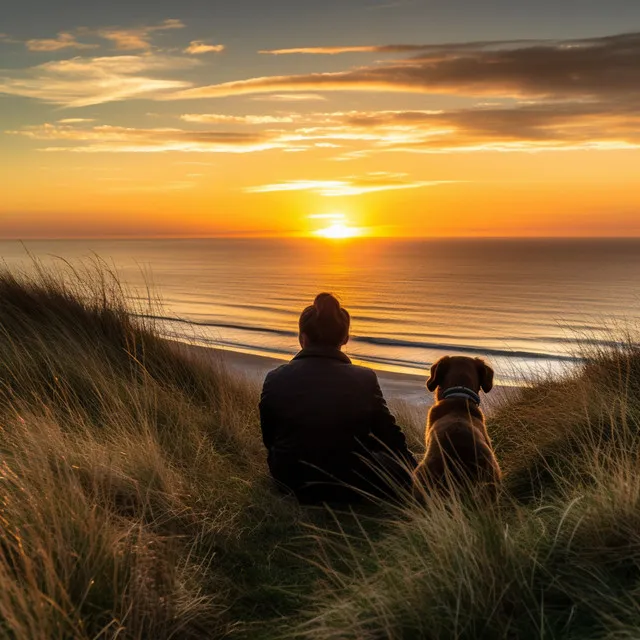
(458,448)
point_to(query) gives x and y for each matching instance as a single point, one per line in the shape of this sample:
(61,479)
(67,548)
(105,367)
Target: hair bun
(326,303)
(325,322)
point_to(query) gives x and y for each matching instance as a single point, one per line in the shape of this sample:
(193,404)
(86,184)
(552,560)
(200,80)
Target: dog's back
(458,453)
(458,456)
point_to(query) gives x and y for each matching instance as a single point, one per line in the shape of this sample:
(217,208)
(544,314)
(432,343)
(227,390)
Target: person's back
(324,418)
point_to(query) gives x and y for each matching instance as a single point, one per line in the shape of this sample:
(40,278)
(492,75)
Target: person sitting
(329,434)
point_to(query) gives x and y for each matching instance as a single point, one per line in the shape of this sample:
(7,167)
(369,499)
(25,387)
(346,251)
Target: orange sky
(150,131)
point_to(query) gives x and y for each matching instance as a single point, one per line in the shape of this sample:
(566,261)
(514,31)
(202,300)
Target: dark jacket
(324,412)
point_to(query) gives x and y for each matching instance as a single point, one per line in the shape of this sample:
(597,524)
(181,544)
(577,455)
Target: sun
(338,231)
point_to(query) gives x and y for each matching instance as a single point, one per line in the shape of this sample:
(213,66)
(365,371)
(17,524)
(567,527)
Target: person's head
(325,323)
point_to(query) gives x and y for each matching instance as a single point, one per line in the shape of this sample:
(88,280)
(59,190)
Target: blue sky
(303,22)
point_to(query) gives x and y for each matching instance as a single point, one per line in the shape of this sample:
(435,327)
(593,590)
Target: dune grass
(134,500)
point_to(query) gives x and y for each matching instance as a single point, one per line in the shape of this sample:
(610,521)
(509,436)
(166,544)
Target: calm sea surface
(523,304)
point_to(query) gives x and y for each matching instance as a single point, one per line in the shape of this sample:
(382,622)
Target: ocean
(528,306)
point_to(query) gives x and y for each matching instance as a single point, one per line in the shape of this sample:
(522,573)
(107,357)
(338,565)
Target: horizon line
(316,238)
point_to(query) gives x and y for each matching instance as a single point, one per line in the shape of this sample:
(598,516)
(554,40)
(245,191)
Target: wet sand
(395,386)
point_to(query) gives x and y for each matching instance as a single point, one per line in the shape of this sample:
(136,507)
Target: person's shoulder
(284,368)
(363,373)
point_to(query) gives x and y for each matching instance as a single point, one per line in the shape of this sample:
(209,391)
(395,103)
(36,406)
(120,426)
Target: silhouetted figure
(325,422)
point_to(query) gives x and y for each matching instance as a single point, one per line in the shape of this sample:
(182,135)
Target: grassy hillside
(134,501)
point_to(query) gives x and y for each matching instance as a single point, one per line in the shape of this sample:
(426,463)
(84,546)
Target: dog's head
(461,371)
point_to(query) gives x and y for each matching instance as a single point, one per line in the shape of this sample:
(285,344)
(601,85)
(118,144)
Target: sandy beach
(397,387)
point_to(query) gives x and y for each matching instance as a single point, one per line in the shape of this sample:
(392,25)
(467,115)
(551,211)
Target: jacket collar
(323,352)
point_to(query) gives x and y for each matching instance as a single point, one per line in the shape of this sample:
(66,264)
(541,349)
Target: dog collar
(461,392)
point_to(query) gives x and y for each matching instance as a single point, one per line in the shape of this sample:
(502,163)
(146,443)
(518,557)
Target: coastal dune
(135,500)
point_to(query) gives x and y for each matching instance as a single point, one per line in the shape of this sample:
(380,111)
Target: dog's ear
(438,369)
(485,375)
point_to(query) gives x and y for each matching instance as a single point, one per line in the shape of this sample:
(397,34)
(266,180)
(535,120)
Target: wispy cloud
(80,82)
(330,51)
(115,139)
(197,47)
(135,39)
(532,127)
(75,120)
(124,39)
(404,48)
(291,97)
(63,41)
(217,118)
(589,68)
(5,37)
(350,186)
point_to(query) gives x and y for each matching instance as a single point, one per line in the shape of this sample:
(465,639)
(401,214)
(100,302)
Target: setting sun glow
(338,231)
